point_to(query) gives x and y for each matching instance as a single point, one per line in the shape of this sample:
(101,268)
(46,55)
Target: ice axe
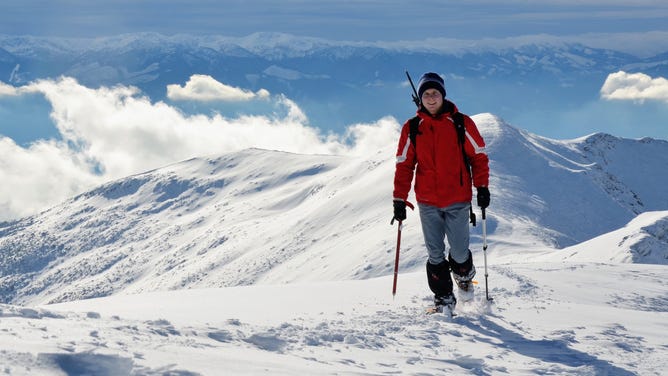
(396,257)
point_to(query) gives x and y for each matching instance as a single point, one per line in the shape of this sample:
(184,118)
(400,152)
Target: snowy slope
(568,191)
(643,240)
(566,319)
(231,220)
(265,217)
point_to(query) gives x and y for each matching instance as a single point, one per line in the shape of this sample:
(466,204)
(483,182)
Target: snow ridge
(643,240)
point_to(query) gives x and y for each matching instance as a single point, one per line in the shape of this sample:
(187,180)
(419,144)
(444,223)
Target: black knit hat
(431,80)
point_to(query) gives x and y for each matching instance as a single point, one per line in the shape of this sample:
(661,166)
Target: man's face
(432,100)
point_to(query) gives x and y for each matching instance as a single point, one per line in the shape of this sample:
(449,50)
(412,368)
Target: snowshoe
(465,285)
(444,304)
(465,293)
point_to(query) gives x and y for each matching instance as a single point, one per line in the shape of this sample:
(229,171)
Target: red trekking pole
(396,257)
(396,260)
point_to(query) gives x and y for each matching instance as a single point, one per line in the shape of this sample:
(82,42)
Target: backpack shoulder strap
(458,119)
(414,130)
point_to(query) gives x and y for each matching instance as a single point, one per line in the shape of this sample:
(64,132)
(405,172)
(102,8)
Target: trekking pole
(396,257)
(484,251)
(396,261)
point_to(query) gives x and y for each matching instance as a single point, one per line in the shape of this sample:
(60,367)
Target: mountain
(337,83)
(578,188)
(261,217)
(643,240)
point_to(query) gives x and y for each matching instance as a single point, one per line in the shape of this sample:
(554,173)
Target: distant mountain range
(260,216)
(337,83)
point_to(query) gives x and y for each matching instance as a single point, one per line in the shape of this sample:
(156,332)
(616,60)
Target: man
(440,163)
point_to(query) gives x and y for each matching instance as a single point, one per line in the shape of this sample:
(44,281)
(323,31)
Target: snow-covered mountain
(266,217)
(643,240)
(337,83)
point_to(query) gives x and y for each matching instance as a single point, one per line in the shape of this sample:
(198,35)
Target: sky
(371,20)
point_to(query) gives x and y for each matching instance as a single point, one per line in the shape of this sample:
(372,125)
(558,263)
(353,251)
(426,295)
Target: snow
(546,318)
(269,262)
(643,240)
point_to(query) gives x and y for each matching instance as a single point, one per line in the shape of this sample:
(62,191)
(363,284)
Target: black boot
(440,283)
(463,273)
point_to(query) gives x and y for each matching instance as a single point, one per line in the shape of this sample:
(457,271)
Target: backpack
(458,119)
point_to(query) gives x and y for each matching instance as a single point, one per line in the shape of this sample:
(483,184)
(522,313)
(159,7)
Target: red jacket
(441,176)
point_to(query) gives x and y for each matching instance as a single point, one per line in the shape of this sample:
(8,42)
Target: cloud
(109,133)
(206,88)
(7,90)
(636,87)
(35,177)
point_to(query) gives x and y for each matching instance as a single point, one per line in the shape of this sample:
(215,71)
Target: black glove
(399,210)
(483,197)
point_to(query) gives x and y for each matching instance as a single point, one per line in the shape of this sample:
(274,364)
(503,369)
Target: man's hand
(483,197)
(399,210)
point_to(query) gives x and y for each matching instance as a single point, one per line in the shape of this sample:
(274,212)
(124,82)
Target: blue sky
(333,19)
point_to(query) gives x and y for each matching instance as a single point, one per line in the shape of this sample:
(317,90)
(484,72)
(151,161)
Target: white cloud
(368,138)
(109,133)
(7,90)
(206,88)
(38,176)
(636,87)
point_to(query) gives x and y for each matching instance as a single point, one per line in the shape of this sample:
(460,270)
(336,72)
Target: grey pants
(451,222)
